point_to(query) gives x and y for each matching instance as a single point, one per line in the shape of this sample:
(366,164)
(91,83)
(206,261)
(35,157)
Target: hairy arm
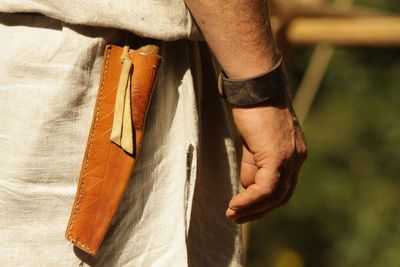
(233,26)
(239,34)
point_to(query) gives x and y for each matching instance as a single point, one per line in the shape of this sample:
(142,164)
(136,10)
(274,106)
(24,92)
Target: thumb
(248,168)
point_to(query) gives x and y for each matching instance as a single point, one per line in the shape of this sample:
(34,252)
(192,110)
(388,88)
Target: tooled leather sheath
(106,167)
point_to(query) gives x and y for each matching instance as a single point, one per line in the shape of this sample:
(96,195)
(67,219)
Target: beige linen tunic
(173,211)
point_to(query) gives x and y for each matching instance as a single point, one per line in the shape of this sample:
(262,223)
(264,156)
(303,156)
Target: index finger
(265,183)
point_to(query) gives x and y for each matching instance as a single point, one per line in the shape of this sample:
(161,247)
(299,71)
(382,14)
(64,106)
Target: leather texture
(254,90)
(106,167)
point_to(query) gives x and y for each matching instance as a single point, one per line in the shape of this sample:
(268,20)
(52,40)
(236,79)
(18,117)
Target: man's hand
(239,34)
(273,152)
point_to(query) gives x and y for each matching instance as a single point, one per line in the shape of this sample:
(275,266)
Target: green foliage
(389,6)
(346,209)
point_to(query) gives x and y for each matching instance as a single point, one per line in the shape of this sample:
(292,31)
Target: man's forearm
(238,33)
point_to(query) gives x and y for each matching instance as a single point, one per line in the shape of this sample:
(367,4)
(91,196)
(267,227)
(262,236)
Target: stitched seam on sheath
(88,158)
(76,242)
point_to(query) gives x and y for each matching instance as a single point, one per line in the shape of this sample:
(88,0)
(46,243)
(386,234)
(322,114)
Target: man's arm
(234,26)
(238,33)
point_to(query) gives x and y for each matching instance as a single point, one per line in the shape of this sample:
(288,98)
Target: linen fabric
(163,20)
(173,211)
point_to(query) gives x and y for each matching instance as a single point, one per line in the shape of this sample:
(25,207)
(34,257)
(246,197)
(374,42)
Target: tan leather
(106,167)
(122,130)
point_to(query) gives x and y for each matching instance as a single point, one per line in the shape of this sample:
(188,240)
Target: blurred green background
(346,209)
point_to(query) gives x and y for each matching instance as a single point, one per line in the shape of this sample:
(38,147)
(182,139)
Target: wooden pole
(290,9)
(358,31)
(315,72)
(312,80)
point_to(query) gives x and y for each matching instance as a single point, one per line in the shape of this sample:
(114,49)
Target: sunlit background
(346,209)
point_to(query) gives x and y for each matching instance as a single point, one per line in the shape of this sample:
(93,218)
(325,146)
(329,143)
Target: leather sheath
(106,167)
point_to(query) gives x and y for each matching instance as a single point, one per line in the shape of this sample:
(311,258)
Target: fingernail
(234,208)
(230,213)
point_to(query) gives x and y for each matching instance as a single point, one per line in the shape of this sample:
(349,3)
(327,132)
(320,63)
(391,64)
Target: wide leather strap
(253,90)
(106,167)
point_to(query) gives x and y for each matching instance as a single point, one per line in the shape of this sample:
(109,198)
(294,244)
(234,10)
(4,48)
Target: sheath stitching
(88,158)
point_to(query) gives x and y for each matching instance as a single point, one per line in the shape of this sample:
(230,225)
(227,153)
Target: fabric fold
(164,20)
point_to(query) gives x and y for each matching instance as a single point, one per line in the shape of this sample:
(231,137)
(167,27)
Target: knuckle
(302,153)
(302,147)
(266,191)
(300,144)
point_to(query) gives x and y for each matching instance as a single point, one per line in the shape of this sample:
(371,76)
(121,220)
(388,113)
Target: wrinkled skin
(274,150)
(238,33)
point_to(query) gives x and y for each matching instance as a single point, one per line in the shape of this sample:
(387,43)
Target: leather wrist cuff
(254,90)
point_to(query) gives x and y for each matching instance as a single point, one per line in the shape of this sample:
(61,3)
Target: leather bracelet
(254,90)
